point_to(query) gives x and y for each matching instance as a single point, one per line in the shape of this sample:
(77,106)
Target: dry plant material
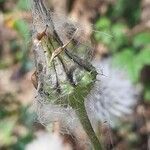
(70,90)
(64,73)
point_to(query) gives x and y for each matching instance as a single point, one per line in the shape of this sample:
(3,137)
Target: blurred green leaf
(141,39)
(23,28)
(103,23)
(22,142)
(103,33)
(26,117)
(115,37)
(24,4)
(144,56)
(2,1)
(106,39)
(132,62)
(118,30)
(119,37)
(6,128)
(126,10)
(147,93)
(126,60)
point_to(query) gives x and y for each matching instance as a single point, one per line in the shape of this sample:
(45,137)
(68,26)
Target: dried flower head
(64,75)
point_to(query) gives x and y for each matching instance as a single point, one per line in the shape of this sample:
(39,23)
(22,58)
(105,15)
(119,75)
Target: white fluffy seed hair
(48,113)
(46,141)
(112,97)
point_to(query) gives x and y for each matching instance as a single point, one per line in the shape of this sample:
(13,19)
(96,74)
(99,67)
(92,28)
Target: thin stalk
(77,102)
(82,114)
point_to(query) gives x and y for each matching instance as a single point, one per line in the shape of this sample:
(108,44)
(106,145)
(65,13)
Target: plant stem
(82,114)
(78,104)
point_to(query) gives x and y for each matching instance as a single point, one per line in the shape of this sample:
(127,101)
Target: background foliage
(129,50)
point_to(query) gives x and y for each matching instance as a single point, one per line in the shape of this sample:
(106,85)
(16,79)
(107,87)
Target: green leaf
(118,32)
(22,27)
(147,93)
(132,62)
(143,56)
(128,10)
(6,128)
(141,39)
(24,4)
(103,34)
(103,23)
(126,59)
